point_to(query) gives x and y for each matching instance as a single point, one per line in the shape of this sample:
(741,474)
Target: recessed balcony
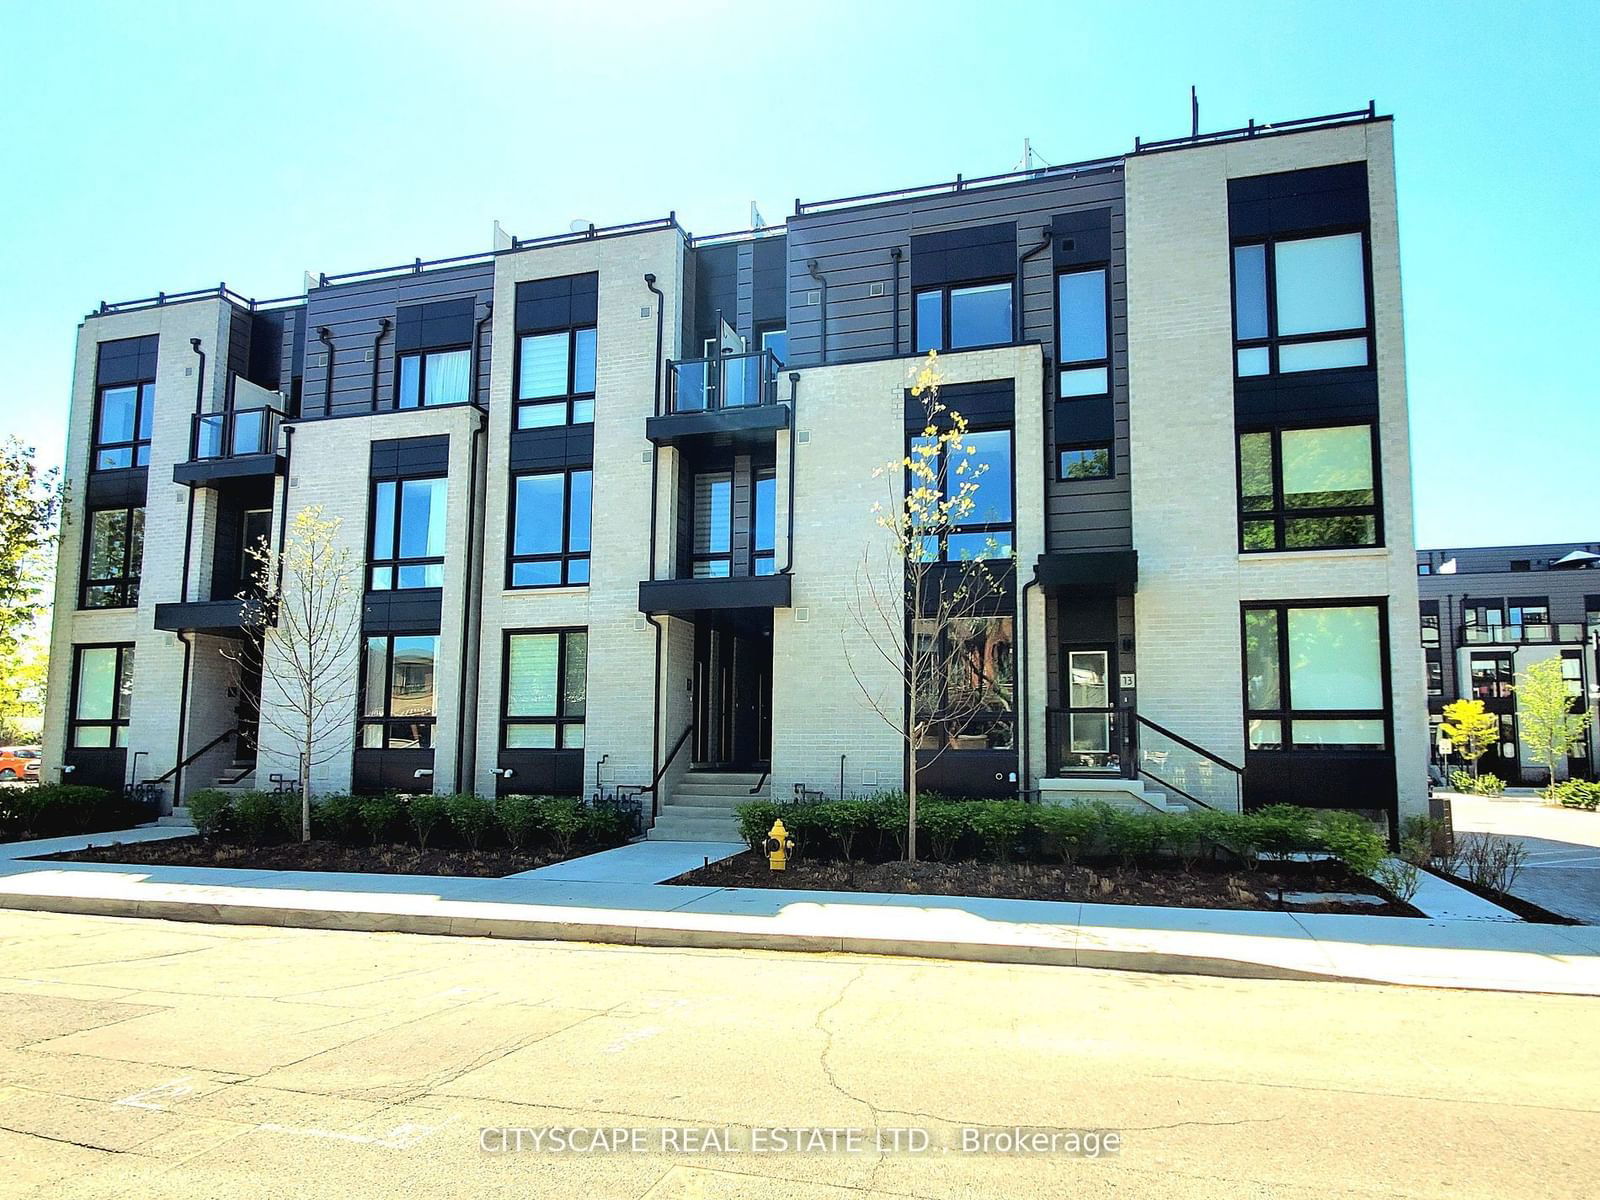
(241,443)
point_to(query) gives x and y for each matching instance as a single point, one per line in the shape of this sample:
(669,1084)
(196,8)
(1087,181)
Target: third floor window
(123,420)
(555,378)
(962,317)
(434,378)
(1300,304)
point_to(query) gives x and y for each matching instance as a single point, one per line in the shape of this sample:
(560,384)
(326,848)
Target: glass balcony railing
(1529,633)
(726,381)
(235,433)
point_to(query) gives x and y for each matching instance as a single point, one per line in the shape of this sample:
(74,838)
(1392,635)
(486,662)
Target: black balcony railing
(235,433)
(725,381)
(1528,633)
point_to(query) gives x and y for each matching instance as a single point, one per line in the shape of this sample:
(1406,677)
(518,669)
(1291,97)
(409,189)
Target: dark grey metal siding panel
(240,329)
(744,292)
(351,312)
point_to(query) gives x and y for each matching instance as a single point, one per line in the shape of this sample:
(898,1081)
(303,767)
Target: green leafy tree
(1471,730)
(923,611)
(30,505)
(1550,721)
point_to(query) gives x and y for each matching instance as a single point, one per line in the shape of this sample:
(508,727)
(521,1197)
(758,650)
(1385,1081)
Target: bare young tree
(925,596)
(302,622)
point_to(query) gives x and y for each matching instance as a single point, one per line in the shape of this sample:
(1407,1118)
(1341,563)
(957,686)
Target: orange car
(19,762)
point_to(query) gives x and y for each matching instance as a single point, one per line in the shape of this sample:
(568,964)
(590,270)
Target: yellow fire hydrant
(779,846)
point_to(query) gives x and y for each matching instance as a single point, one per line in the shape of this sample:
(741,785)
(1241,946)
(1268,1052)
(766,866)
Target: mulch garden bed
(1206,885)
(318,856)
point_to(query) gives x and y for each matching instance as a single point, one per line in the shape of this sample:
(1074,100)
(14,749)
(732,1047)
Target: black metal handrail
(1256,129)
(1537,633)
(1188,745)
(748,379)
(234,432)
(667,762)
(211,745)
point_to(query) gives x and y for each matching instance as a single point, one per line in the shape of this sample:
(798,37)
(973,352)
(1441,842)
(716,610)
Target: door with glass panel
(1091,723)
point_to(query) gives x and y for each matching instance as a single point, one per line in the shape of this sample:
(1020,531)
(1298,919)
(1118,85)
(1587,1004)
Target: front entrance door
(733,696)
(1091,731)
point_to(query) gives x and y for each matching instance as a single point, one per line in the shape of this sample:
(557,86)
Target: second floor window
(984,530)
(408,534)
(399,700)
(555,378)
(766,523)
(124,417)
(102,696)
(1300,304)
(1083,333)
(550,529)
(962,317)
(1307,489)
(434,378)
(112,557)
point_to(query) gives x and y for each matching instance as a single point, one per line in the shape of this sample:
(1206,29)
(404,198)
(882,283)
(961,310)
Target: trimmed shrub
(1130,836)
(338,817)
(471,816)
(1282,830)
(379,815)
(1575,793)
(755,821)
(48,809)
(425,813)
(1070,830)
(1353,841)
(212,813)
(846,820)
(943,823)
(1399,877)
(605,825)
(890,819)
(999,825)
(564,817)
(518,818)
(258,817)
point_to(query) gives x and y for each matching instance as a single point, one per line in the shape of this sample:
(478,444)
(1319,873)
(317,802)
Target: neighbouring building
(612,493)
(1490,612)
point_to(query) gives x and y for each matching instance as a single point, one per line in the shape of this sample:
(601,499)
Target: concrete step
(694,823)
(724,804)
(178,816)
(700,787)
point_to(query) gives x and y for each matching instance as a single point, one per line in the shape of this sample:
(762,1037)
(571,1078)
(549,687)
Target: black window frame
(127,583)
(1079,364)
(388,721)
(1083,448)
(1286,714)
(572,397)
(1273,341)
(560,720)
(139,448)
(395,560)
(993,717)
(1278,514)
(697,556)
(421,355)
(116,724)
(758,555)
(566,556)
(945,291)
(984,527)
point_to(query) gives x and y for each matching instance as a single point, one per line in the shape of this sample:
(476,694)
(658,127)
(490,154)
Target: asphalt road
(153,1059)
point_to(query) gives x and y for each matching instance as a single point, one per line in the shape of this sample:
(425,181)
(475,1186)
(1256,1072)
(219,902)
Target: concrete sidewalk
(1563,869)
(617,897)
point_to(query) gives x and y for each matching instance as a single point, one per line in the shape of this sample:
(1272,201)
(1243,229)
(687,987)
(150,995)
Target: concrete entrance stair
(700,806)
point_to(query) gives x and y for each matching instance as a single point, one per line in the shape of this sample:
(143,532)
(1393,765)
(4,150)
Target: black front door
(733,695)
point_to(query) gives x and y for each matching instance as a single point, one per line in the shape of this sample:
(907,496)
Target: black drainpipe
(811,270)
(467,624)
(655,452)
(1016,319)
(188,526)
(326,338)
(655,727)
(794,432)
(477,346)
(897,254)
(383,329)
(283,513)
(183,719)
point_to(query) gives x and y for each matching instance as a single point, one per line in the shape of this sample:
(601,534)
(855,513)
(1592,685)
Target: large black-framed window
(408,534)
(123,419)
(964,316)
(544,695)
(102,696)
(1316,675)
(1083,332)
(550,517)
(985,530)
(399,692)
(1309,488)
(973,699)
(1302,302)
(555,378)
(113,551)
(433,378)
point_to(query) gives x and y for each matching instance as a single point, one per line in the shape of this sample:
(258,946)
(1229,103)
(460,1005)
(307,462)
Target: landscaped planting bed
(58,809)
(397,835)
(1092,852)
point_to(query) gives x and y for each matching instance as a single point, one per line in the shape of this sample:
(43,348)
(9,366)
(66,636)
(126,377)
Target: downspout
(467,624)
(794,431)
(661,317)
(896,254)
(1016,311)
(655,460)
(188,526)
(811,270)
(477,347)
(655,726)
(283,512)
(383,329)
(183,718)
(326,338)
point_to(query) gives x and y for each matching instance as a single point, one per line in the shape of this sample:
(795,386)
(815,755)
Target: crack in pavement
(61,1141)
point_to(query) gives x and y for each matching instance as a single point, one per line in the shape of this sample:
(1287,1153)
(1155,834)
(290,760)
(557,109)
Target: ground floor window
(1315,677)
(546,690)
(399,694)
(102,696)
(972,690)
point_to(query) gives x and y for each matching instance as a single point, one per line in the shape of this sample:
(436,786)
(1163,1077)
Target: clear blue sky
(157,146)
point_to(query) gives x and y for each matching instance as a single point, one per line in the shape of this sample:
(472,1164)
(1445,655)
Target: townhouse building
(612,493)
(1491,612)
